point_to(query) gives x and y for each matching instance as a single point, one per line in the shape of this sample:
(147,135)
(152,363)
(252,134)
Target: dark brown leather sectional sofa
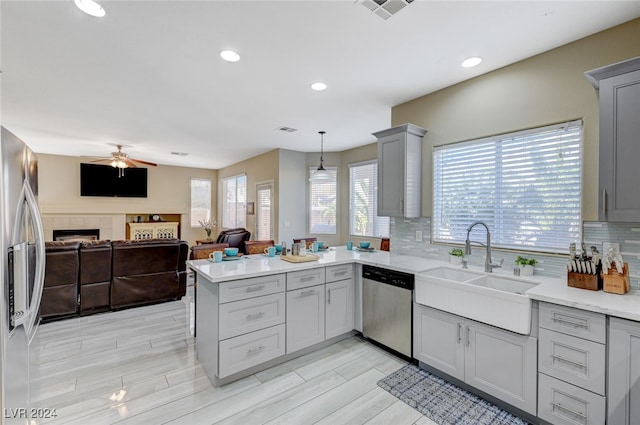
(83,278)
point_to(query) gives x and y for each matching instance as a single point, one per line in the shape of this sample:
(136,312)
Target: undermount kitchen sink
(497,300)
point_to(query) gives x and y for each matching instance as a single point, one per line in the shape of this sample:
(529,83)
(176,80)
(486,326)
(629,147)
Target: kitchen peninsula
(241,314)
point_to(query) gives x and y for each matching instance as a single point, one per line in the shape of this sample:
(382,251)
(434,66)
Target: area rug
(442,401)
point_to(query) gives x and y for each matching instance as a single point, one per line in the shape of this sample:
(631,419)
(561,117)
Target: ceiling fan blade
(143,162)
(130,163)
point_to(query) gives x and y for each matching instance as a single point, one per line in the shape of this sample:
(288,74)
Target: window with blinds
(234,201)
(264,211)
(322,212)
(525,186)
(363,201)
(200,201)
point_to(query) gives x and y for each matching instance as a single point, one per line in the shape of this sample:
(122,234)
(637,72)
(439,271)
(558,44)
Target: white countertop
(557,291)
(260,265)
(550,290)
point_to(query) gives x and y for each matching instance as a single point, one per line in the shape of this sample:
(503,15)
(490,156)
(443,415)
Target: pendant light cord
(321,167)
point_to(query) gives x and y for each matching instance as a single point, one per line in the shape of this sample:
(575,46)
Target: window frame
(192,215)
(310,207)
(514,226)
(372,195)
(223,192)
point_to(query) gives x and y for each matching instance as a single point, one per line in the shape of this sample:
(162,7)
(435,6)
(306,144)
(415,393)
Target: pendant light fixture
(321,174)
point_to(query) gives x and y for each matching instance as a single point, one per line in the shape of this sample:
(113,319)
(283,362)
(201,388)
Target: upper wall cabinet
(619,86)
(400,171)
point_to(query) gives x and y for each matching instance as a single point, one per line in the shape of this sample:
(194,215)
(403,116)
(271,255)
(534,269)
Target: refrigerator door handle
(32,318)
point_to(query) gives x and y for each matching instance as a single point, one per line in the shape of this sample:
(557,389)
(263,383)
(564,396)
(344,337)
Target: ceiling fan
(121,160)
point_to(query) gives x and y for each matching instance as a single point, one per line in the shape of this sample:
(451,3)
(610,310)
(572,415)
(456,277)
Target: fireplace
(76,235)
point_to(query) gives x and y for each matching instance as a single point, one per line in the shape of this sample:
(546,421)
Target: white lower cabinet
(339,314)
(623,400)
(305,317)
(245,351)
(571,378)
(498,362)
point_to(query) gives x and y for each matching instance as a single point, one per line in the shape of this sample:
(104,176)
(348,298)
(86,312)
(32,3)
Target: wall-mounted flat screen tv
(103,180)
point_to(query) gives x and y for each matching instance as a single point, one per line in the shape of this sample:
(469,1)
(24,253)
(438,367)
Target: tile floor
(138,366)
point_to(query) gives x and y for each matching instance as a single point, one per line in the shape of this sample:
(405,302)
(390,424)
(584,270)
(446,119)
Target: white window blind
(363,201)
(234,201)
(200,201)
(322,214)
(525,186)
(264,211)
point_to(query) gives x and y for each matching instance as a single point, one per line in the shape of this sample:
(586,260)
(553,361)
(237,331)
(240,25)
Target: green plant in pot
(456,255)
(526,265)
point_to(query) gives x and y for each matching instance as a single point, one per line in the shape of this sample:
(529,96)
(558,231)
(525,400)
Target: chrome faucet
(488,265)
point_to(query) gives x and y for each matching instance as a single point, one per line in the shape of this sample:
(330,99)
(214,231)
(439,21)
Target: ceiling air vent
(385,8)
(179,153)
(287,129)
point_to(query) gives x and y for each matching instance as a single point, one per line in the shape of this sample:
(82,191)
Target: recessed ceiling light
(230,56)
(90,7)
(471,62)
(318,86)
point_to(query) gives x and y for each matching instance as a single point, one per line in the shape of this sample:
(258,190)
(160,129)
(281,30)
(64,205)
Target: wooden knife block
(615,282)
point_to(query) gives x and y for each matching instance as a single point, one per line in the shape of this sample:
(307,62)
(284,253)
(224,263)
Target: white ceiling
(148,75)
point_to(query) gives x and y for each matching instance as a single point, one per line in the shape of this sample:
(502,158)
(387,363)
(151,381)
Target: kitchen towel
(442,401)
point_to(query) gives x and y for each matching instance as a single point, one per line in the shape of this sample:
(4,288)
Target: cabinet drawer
(572,321)
(254,287)
(572,359)
(250,315)
(564,404)
(245,351)
(305,278)
(336,273)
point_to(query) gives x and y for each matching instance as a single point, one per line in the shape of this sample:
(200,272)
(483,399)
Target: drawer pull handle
(459,333)
(571,322)
(468,336)
(342,273)
(328,296)
(255,316)
(307,278)
(573,412)
(255,288)
(255,350)
(582,365)
(307,293)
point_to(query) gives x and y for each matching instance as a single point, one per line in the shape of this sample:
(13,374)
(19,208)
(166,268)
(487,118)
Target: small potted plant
(208,226)
(456,255)
(526,265)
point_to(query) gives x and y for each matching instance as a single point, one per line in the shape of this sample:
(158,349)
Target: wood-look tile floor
(138,366)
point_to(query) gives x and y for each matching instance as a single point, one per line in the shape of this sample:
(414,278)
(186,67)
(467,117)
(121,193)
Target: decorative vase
(526,270)
(455,260)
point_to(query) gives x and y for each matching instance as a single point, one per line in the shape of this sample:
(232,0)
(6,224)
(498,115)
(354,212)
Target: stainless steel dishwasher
(387,302)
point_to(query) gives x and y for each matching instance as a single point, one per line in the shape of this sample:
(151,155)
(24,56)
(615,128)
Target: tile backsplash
(403,241)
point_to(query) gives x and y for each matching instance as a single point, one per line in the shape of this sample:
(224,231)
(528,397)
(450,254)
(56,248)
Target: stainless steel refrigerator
(22,270)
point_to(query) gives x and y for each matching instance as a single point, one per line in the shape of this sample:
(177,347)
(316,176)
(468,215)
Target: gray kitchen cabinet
(305,317)
(619,173)
(400,171)
(498,362)
(339,312)
(624,372)
(571,366)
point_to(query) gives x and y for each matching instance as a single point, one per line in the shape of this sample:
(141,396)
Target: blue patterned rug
(443,402)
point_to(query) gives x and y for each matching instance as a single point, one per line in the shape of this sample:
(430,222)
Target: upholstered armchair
(234,237)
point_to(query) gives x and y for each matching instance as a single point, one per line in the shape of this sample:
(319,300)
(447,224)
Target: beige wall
(545,89)
(168,193)
(259,169)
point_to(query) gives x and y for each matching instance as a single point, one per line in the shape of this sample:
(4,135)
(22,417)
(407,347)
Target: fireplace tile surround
(111,226)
